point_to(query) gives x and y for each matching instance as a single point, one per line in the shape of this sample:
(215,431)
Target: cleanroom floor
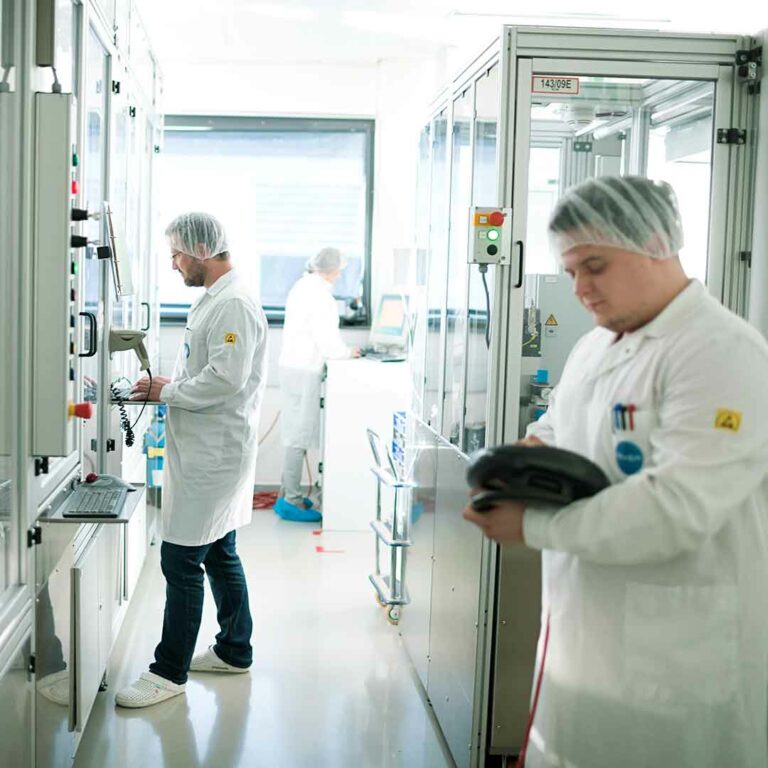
(331,685)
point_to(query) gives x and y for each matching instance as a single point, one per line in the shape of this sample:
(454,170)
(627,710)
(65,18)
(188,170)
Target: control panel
(55,263)
(490,235)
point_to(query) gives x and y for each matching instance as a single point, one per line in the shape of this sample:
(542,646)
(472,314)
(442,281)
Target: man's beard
(195,277)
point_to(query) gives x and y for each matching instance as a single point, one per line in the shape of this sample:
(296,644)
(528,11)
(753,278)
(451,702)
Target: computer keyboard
(93,502)
(388,356)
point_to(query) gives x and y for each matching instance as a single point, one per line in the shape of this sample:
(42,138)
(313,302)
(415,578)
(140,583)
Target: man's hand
(503,523)
(142,391)
(355,352)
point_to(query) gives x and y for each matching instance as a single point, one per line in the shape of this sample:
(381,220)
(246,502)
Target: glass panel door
(417,309)
(10,133)
(94,90)
(456,310)
(585,126)
(438,270)
(485,192)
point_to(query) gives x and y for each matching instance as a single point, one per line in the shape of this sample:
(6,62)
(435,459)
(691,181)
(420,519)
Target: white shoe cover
(147,690)
(55,687)
(208,661)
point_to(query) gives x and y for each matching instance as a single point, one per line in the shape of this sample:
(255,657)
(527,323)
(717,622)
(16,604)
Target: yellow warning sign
(230,338)
(551,320)
(726,419)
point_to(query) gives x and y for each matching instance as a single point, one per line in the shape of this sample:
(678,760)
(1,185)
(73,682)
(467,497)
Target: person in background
(654,641)
(214,400)
(310,337)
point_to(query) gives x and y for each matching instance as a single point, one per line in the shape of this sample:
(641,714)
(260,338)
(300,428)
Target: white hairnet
(199,235)
(327,260)
(627,212)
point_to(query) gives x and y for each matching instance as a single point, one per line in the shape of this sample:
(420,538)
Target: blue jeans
(183,571)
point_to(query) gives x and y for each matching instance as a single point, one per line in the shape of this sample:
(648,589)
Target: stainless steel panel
(16,697)
(87,621)
(111,551)
(455,606)
(414,624)
(517,630)
(55,743)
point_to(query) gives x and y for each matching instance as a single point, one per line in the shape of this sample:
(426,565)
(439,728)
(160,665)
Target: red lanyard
(535,704)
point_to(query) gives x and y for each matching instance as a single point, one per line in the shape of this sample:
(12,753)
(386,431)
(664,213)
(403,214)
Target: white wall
(395,93)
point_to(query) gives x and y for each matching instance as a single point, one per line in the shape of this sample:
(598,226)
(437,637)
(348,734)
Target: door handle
(146,325)
(93,326)
(521,247)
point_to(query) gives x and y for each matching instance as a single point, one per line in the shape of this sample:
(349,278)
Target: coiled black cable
(125,422)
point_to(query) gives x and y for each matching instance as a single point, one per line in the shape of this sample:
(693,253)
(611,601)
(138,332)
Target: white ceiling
(365,31)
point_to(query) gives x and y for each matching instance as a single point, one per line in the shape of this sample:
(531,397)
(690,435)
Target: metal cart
(392,533)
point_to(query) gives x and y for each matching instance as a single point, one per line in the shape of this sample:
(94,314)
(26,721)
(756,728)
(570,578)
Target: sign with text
(555,84)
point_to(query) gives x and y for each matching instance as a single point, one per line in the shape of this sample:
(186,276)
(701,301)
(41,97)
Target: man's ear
(201,252)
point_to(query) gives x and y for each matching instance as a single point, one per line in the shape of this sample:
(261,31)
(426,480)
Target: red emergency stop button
(496,219)
(81,410)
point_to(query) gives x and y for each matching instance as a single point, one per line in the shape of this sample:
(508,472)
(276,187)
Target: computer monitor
(121,271)
(390,324)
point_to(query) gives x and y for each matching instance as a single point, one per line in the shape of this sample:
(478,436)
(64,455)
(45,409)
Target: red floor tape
(264,499)
(324,551)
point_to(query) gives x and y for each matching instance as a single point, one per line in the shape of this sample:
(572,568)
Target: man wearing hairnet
(214,399)
(654,589)
(310,337)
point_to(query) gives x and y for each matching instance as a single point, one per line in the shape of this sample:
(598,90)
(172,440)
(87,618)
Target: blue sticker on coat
(187,350)
(629,457)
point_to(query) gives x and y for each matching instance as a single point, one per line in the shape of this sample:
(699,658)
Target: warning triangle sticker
(551,320)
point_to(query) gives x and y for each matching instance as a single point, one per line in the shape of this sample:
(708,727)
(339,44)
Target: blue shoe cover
(308,503)
(291,512)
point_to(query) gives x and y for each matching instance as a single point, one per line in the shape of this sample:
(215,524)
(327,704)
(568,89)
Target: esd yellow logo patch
(726,419)
(230,338)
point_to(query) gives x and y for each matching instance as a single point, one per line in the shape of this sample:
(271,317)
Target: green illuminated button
(493,234)
(75,159)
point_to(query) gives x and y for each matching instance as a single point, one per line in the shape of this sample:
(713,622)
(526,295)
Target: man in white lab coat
(310,337)
(214,400)
(654,589)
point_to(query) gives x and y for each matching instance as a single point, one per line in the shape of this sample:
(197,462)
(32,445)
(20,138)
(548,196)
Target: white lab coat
(310,337)
(656,587)
(214,402)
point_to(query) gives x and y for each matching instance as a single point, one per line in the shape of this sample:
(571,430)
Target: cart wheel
(393,614)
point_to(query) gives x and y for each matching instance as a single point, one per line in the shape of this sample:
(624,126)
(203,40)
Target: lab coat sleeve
(325,331)
(229,361)
(699,475)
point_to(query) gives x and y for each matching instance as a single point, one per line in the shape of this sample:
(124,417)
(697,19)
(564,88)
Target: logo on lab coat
(230,338)
(187,350)
(629,457)
(726,419)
